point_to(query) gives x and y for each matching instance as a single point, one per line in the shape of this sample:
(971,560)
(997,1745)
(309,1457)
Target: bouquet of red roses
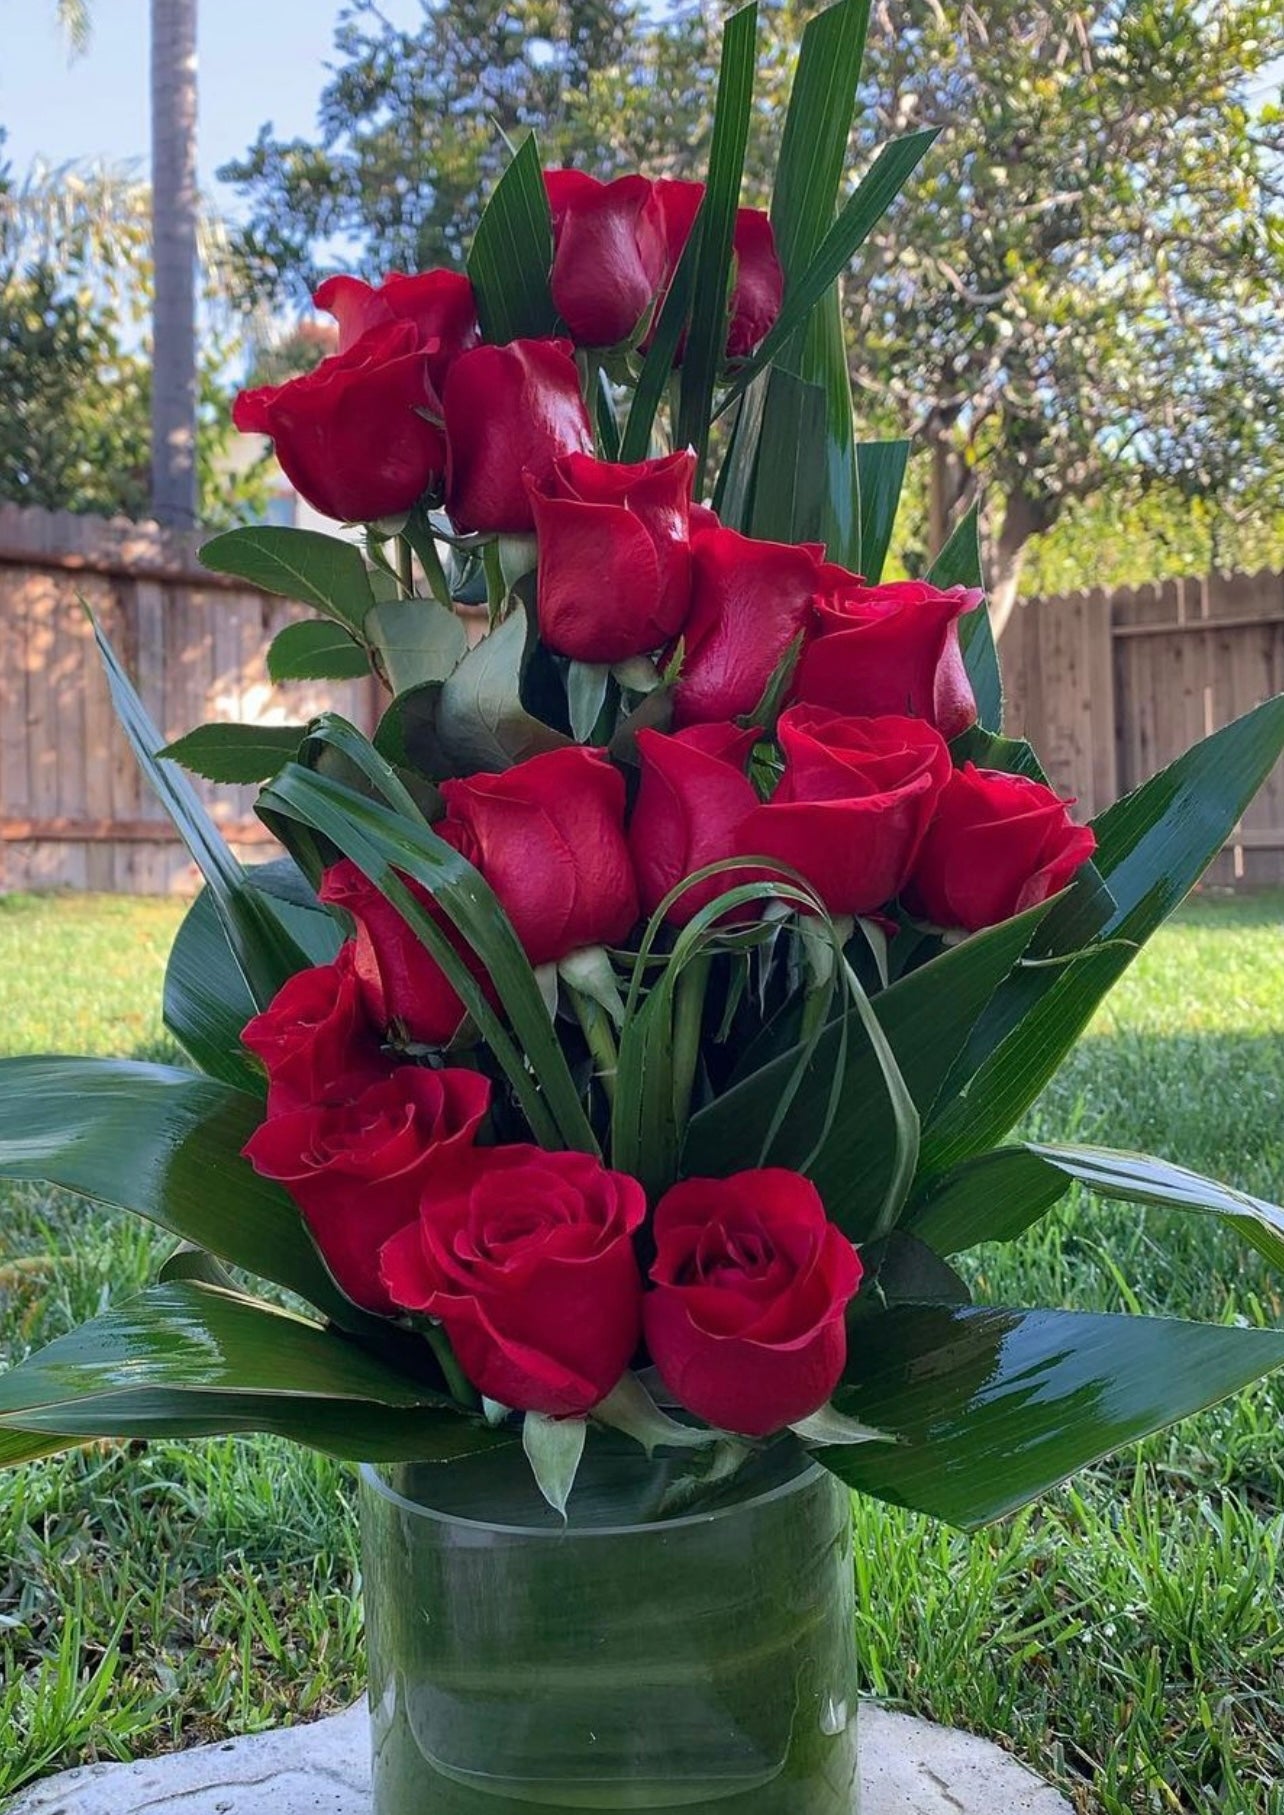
(633,1034)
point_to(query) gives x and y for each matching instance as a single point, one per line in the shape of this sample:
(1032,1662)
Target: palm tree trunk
(174,207)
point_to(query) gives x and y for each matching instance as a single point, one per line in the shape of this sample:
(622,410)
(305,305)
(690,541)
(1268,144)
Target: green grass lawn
(1126,1637)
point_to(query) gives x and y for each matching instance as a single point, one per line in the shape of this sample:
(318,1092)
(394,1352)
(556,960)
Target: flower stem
(456,1379)
(434,572)
(406,567)
(596,1023)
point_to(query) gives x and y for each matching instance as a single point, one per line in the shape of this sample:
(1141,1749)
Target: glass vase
(620,1661)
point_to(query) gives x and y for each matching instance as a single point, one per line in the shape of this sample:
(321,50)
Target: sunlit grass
(1125,1637)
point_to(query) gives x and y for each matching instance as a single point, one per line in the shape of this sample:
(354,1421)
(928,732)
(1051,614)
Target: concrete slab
(908,1767)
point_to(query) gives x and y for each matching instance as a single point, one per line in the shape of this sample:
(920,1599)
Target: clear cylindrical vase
(621,1661)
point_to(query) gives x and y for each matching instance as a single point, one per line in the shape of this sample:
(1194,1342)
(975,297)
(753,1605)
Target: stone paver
(908,1767)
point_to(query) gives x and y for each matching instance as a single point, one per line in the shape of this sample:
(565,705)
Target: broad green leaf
(165,1145)
(418,641)
(236,753)
(791,486)
(959,564)
(193,1263)
(206,1002)
(820,358)
(190,1360)
(903,1270)
(481,721)
(993,1197)
(988,750)
(926,1017)
(512,253)
(860,214)
(990,1408)
(29,1446)
(265,953)
(387,847)
(298,564)
(881,468)
(707,335)
(315,650)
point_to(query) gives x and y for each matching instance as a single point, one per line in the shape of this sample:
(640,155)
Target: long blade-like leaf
(512,253)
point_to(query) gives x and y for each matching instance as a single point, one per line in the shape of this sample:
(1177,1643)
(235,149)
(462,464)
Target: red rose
(315,1039)
(608,254)
(348,434)
(548,836)
(614,555)
(510,411)
(758,283)
(853,804)
(892,648)
(999,844)
(356,1170)
(749,600)
(400,981)
(751,1282)
(439,303)
(527,1258)
(693,801)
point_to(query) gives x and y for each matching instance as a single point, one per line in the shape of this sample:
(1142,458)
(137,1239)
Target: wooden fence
(1111,687)
(1107,688)
(74,810)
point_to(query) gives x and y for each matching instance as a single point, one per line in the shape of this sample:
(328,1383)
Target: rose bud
(527,1259)
(758,283)
(853,805)
(999,844)
(693,802)
(315,1039)
(749,600)
(402,985)
(614,555)
(608,254)
(548,836)
(349,435)
(357,1169)
(892,648)
(440,304)
(510,413)
(751,1284)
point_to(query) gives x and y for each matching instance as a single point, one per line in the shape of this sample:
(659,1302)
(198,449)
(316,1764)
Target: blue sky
(259,60)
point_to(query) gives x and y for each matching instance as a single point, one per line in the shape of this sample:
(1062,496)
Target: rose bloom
(889,649)
(999,844)
(349,435)
(439,304)
(401,983)
(693,802)
(853,805)
(751,1284)
(608,254)
(510,413)
(527,1259)
(548,836)
(758,282)
(315,1039)
(749,600)
(357,1169)
(614,555)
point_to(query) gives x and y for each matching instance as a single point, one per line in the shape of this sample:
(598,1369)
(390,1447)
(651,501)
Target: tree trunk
(174,205)
(1022,520)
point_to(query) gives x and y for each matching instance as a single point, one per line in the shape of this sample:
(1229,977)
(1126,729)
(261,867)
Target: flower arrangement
(634,1033)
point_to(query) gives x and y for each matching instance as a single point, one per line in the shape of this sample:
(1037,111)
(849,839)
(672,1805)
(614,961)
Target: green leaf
(988,750)
(206,1002)
(165,1145)
(407,733)
(861,213)
(791,485)
(387,847)
(29,1446)
(512,253)
(666,338)
(418,641)
(959,564)
(298,564)
(554,1448)
(904,1270)
(190,1262)
(236,753)
(881,469)
(586,685)
(821,359)
(190,1360)
(315,650)
(926,1017)
(707,335)
(265,953)
(993,1197)
(733,495)
(993,1407)
(481,721)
